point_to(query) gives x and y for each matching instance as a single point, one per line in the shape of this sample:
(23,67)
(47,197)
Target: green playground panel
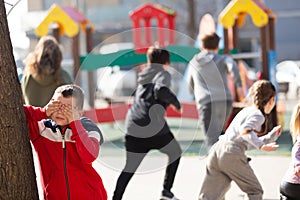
(179,54)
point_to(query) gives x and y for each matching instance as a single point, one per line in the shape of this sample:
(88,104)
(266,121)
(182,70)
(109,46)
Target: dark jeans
(290,191)
(213,117)
(136,150)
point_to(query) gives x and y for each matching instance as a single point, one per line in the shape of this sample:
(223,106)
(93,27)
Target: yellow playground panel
(233,16)
(240,8)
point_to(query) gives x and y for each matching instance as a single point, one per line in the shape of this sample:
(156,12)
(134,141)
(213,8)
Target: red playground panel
(118,112)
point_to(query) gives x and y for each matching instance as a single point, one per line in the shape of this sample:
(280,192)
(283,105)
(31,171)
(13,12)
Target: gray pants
(213,117)
(227,162)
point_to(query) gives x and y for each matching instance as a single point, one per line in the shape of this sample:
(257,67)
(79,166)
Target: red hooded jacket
(65,156)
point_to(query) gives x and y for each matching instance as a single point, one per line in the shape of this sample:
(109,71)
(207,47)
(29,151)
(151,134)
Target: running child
(227,161)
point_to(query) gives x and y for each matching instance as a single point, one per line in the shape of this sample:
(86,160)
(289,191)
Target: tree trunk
(17,175)
(191,24)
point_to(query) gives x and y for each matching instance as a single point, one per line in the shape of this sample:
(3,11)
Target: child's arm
(88,138)
(85,133)
(296,157)
(270,138)
(269,147)
(254,122)
(34,113)
(162,91)
(165,95)
(37,114)
(273,135)
(253,139)
(189,78)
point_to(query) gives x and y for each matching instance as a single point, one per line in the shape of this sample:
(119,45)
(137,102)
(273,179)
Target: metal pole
(235,37)
(264,52)
(89,46)
(55,33)
(272,32)
(75,52)
(226,42)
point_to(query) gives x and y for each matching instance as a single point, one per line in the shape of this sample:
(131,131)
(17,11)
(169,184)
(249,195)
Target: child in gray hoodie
(208,80)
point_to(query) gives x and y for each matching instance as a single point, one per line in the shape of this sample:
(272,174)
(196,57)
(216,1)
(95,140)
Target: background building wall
(111,17)
(287,28)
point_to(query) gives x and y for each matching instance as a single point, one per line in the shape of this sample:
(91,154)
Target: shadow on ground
(197,147)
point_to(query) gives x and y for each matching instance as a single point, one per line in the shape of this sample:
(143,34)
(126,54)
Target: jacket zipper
(65,163)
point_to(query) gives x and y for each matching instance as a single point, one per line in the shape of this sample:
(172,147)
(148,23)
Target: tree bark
(191,24)
(17,175)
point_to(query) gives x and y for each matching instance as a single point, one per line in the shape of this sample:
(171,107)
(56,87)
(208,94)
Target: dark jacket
(146,116)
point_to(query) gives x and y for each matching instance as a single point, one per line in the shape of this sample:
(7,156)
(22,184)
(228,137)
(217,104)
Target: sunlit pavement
(147,183)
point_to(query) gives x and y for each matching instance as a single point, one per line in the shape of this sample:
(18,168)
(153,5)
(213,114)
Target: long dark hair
(45,59)
(262,91)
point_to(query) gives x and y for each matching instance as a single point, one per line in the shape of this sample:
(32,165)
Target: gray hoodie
(207,76)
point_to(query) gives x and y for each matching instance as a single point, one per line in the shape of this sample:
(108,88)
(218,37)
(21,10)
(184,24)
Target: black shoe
(167,195)
(282,197)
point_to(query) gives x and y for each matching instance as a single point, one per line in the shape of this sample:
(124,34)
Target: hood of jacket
(148,74)
(204,57)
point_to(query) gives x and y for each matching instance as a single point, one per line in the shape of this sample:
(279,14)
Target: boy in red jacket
(66,146)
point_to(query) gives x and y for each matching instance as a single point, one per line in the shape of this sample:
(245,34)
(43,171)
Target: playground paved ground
(147,183)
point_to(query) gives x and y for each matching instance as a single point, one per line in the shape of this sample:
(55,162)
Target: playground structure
(232,16)
(165,18)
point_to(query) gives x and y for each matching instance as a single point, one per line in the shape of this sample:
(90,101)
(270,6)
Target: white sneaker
(166,195)
(168,198)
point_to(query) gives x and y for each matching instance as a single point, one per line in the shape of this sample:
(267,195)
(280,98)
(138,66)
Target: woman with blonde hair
(290,184)
(43,72)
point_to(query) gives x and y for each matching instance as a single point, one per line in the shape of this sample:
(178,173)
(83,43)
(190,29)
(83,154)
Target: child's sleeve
(270,137)
(34,113)
(296,149)
(88,138)
(254,140)
(162,91)
(189,78)
(252,123)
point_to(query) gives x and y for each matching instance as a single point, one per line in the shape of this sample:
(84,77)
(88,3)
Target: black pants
(136,150)
(290,191)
